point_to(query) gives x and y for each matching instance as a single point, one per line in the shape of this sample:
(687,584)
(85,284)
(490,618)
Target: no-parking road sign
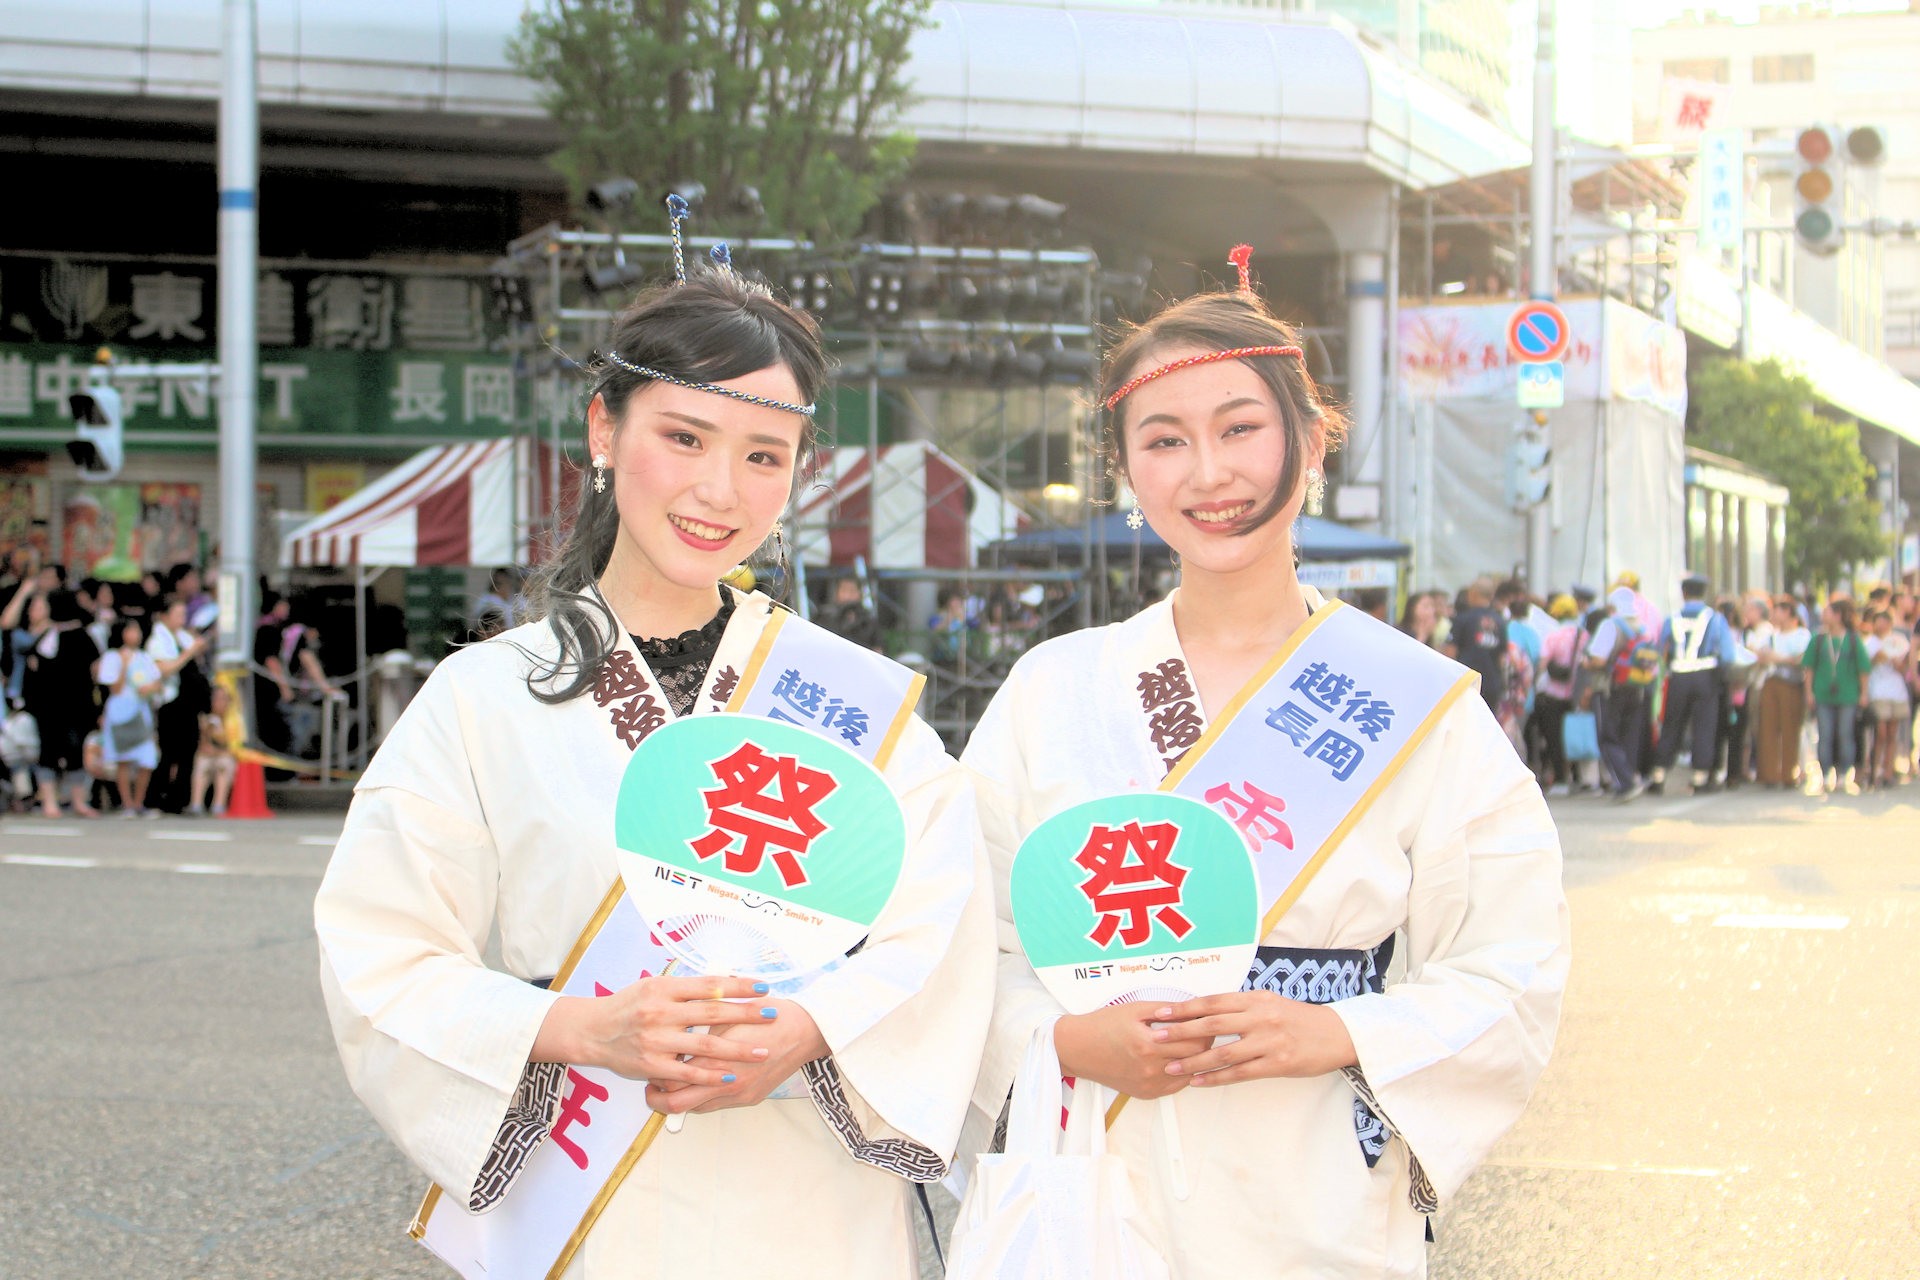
(1539,332)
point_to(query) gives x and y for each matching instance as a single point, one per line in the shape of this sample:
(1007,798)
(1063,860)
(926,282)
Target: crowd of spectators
(1604,696)
(108,693)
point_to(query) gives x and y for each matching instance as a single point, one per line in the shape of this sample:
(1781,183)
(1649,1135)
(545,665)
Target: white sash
(1306,746)
(768,663)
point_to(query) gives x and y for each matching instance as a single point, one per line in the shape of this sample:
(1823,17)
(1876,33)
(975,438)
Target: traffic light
(1818,190)
(1529,470)
(99,448)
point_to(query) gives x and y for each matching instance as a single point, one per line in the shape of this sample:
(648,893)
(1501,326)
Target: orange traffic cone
(249,798)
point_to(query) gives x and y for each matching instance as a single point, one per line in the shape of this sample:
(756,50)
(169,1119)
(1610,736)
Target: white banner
(1302,752)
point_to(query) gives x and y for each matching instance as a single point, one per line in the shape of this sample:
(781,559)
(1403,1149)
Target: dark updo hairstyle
(1222,322)
(712,327)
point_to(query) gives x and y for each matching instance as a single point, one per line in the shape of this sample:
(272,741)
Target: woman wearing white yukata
(490,806)
(1327,1108)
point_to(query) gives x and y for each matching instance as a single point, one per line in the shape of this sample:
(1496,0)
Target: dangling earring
(779,542)
(1136,518)
(1316,491)
(599,473)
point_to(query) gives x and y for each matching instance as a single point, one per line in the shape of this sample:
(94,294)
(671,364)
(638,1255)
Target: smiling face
(1205,449)
(698,478)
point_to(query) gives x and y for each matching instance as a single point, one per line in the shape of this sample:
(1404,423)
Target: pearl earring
(599,473)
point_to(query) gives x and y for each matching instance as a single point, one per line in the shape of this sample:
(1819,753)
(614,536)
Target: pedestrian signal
(98,448)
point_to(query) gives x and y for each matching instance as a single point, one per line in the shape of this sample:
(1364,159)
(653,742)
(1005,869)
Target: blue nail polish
(761,988)
(728,1078)
(769,1012)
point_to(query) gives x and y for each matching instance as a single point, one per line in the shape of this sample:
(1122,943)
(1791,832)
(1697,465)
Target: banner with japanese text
(352,393)
(1303,751)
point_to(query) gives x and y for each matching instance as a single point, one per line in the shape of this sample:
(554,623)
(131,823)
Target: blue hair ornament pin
(721,255)
(677,213)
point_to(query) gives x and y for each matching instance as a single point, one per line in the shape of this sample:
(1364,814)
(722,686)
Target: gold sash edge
(648,1132)
(1218,725)
(755,662)
(1302,878)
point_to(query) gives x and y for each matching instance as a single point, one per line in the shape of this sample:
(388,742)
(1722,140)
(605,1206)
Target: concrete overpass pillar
(1367,442)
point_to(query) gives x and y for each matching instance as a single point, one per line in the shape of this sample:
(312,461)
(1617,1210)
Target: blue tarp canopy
(1316,539)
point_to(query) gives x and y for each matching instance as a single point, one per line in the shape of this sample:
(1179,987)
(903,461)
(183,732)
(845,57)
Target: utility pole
(1543,191)
(239,352)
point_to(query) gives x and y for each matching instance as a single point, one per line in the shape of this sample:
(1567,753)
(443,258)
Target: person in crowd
(1553,698)
(1479,640)
(272,683)
(1782,711)
(504,596)
(1628,659)
(1743,733)
(132,680)
(1524,607)
(1521,667)
(96,597)
(214,765)
(698,421)
(1698,647)
(1837,664)
(311,686)
(1374,602)
(1442,618)
(183,698)
(1008,623)
(1890,654)
(1421,619)
(950,627)
(58,691)
(1220,443)
(849,617)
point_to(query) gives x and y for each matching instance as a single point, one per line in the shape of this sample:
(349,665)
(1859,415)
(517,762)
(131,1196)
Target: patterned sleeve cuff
(1420,1192)
(529,1118)
(900,1156)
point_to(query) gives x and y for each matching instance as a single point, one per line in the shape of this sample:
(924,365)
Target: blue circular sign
(1539,331)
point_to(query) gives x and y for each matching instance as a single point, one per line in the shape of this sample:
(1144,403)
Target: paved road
(1733,1095)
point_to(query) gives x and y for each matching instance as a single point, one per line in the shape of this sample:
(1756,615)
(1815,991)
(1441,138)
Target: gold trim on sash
(1218,724)
(642,1142)
(1313,865)
(757,660)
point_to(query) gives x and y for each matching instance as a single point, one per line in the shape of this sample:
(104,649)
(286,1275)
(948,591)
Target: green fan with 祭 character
(754,848)
(1144,896)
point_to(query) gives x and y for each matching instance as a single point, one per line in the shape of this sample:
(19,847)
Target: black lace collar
(689,648)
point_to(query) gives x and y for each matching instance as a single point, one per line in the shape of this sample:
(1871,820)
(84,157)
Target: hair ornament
(747,397)
(1211,357)
(677,213)
(1240,257)
(722,256)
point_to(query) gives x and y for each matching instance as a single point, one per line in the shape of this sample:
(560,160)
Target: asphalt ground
(1733,1092)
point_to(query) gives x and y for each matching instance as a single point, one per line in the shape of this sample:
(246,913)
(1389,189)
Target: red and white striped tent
(451,505)
(917,508)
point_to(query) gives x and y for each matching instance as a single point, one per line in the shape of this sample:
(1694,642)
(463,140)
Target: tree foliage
(795,98)
(1764,416)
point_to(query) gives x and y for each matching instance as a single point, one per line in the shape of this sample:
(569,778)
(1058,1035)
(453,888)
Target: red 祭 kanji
(765,802)
(1256,813)
(1694,110)
(1130,874)
(573,1110)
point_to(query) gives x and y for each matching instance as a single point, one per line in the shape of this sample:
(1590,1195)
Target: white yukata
(486,809)
(1458,857)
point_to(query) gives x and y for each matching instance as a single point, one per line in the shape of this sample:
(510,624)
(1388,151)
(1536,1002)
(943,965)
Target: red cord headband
(1188,362)
(1240,257)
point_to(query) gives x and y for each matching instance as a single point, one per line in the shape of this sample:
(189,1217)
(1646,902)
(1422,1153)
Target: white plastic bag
(1038,1212)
